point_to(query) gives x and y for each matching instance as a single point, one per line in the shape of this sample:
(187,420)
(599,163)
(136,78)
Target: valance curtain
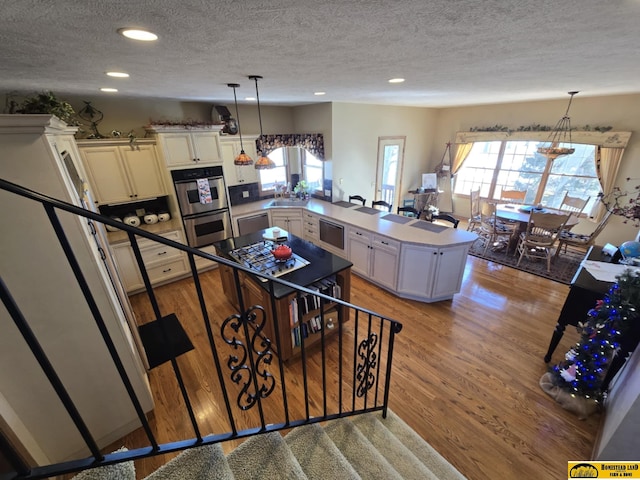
(313,142)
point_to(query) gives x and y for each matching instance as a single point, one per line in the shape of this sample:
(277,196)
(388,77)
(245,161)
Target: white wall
(356,129)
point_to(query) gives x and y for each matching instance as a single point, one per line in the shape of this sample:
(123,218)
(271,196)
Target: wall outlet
(245,194)
(327,193)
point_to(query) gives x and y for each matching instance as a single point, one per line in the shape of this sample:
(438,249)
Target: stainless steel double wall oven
(206,217)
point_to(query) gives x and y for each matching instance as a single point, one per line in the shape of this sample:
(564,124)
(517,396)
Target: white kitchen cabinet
(189,148)
(310,227)
(374,256)
(435,273)
(118,173)
(162,262)
(289,219)
(238,174)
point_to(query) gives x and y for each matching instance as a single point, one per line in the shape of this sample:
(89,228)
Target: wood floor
(465,372)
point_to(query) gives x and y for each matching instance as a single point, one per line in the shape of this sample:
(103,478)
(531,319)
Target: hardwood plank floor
(465,373)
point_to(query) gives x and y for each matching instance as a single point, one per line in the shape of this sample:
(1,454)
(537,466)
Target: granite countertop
(322,264)
(414,231)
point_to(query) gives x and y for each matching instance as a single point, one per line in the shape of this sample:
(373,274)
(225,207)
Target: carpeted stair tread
(363,456)
(318,455)
(264,456)
(206,462)
(391,448)
(419,447)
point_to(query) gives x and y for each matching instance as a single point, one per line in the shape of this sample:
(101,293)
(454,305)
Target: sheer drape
(461,155)
(607,165)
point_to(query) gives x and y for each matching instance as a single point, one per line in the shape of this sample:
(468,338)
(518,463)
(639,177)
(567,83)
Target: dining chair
(513,196)
(493,230)
(474,210)
(357,198)
(582,241)
(575,205)
(381,203)
(408,212)
(542,232)
(447,218)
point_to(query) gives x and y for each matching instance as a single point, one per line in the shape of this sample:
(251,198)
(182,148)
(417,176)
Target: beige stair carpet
(206,462)
(265,457)
(318,455)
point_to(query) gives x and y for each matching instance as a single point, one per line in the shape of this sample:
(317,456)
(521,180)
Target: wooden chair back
(412,212)
(513,196)
(474,209)
(357,198)
(574,205)
(381,203)
(543,228)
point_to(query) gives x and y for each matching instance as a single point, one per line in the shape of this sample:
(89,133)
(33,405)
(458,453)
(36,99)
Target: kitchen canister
(113,229)
(132,220)
(164,216)
(150,218)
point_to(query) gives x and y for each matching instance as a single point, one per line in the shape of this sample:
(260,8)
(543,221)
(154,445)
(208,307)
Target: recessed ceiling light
(118,74)
(137,34)
(109,90)
(319,93)
(396,80)
(250,99)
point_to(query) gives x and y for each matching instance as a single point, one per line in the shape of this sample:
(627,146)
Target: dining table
(520,214)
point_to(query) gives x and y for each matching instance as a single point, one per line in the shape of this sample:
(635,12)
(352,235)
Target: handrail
(364,353)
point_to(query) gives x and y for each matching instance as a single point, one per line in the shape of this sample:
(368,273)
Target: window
(274,176)
(312,171)
(286,160)
(516,165)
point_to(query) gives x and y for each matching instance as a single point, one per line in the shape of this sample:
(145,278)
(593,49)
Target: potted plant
(46,102)
(302,189)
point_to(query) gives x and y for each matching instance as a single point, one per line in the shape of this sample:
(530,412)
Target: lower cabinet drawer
(168,270)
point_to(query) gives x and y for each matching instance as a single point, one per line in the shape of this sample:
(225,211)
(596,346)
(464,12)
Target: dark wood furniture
(322,265)
(584,291)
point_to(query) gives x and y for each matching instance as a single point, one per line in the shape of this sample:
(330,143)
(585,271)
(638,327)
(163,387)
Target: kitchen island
(312,267)
(411,258)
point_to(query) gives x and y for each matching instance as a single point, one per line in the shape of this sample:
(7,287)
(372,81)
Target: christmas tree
(612,323)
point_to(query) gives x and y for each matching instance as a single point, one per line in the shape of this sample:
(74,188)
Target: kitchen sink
(288,202)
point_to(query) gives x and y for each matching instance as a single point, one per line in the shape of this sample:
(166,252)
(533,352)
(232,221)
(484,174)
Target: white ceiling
(451,52)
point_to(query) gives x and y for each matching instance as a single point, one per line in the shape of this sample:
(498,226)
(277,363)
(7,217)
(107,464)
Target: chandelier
(561,134)
(242,158)
(263,162)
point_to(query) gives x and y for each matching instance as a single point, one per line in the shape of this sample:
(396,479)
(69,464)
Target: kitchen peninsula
(411,258)
(310,266)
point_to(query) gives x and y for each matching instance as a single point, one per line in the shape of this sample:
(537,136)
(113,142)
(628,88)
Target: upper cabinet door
(177,149)
(107,175)
(207,147)
(143,171)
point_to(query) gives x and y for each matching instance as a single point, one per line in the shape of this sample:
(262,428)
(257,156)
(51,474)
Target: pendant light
(243,158)
(560,134)
(263,162)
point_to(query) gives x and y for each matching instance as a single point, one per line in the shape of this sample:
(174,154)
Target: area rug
(153,339)
(563,267)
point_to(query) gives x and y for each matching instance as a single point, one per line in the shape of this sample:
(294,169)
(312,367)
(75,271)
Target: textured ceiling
(451,52)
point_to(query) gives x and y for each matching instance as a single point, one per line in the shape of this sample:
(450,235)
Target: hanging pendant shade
(560,134)
(242,159)
(263,162)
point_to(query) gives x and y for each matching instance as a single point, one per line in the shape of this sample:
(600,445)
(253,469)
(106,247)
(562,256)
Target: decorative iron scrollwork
(249,369)
(364,370)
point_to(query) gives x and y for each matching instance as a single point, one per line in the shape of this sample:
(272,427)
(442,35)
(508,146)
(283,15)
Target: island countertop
(322,264)
(419,232)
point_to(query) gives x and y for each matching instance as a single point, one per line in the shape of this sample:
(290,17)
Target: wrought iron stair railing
(254,388)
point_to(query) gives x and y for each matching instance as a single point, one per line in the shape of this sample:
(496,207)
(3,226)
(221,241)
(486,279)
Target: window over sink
(291,161)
